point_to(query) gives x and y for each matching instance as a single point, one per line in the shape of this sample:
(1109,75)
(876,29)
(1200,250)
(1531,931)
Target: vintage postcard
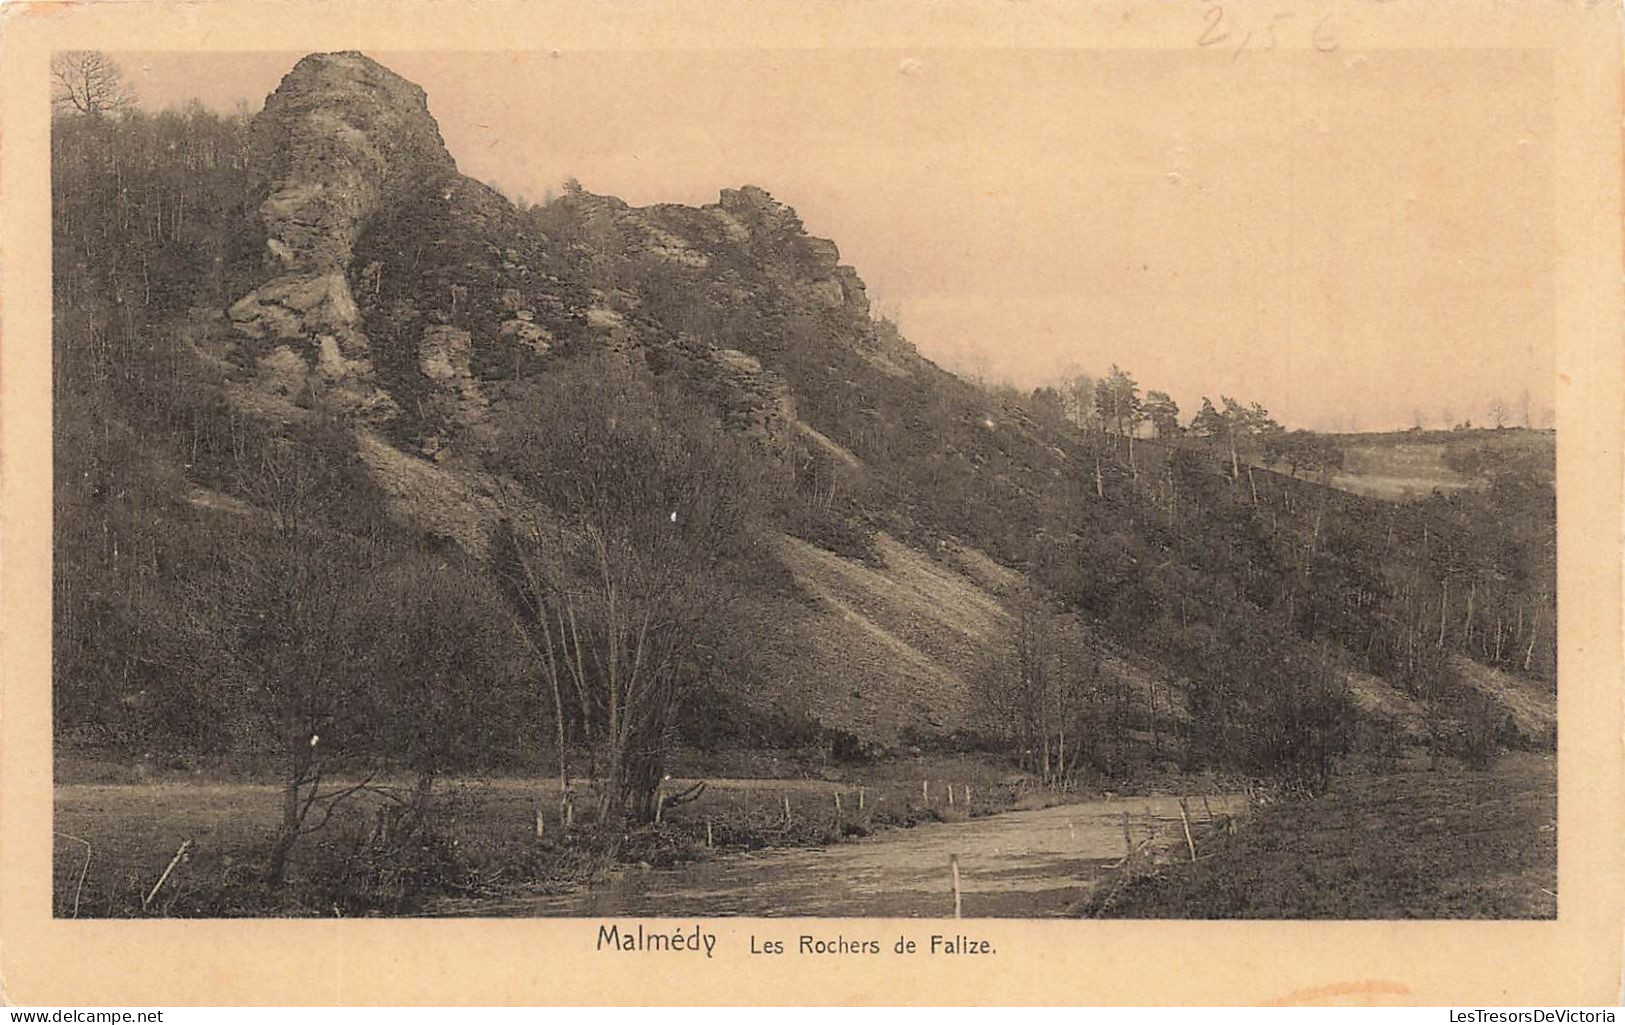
(970,502)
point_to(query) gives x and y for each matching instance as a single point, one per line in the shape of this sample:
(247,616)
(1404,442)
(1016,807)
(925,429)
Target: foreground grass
(1415,844)
(482,841)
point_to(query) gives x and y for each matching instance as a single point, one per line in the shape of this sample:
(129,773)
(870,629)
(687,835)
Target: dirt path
(1019,864)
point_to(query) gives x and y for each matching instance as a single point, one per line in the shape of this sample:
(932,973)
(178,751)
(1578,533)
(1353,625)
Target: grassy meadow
(1454,843)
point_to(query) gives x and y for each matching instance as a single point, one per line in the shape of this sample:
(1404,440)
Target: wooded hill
(357,462)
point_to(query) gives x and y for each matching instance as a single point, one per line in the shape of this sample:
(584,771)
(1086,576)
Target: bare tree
(440,656)
(88,82)
(281,604)
(1038,688)
(622,566)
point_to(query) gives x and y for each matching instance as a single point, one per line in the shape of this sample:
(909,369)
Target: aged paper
(1078,112)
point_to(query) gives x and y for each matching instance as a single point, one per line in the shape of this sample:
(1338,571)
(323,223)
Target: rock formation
(340,137)
(399,296)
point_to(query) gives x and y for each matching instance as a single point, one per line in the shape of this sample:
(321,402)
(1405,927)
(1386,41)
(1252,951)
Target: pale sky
(1348,239)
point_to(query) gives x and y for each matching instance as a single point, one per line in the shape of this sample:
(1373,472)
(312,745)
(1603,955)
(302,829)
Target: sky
(1354,240)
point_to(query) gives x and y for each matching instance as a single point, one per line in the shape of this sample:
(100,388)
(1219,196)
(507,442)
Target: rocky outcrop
(340,138)
(751,215)
(404,296)
(759,214)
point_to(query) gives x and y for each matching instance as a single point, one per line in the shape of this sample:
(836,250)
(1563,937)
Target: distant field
(1411,465)
(1397,471)
(1416,844)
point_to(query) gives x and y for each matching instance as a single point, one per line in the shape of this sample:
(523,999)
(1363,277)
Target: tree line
(1265,588)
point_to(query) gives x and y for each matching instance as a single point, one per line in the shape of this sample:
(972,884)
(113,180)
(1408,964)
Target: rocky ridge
(413,303)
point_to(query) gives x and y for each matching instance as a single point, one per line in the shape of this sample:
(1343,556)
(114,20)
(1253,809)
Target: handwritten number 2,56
(1323,38)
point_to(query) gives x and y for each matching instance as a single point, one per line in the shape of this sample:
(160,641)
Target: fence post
(860,798)
(708,833)
(786,811)
(541,824)
(176,860)
(953,863)
(1185,820)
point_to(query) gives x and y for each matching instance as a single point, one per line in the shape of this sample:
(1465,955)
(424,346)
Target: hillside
(376,298)
(341,391)
(419,310)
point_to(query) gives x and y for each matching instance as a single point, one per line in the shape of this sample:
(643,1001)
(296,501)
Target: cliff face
(403,295)
(340,139)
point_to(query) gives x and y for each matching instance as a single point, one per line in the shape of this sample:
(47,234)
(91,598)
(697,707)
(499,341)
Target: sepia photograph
(911,503)
(613,485)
